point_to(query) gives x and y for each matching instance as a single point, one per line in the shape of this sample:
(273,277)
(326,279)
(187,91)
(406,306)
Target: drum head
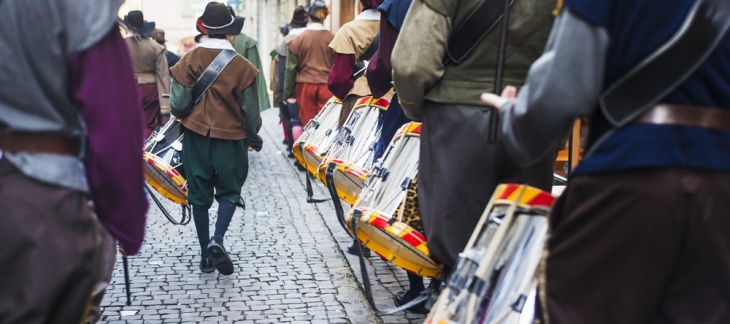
(161,176)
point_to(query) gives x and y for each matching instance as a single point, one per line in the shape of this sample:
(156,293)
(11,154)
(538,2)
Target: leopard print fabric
(411,212)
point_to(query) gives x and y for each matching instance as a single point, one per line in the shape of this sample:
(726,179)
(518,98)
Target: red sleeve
(380,69)
(105,90)
(340,80)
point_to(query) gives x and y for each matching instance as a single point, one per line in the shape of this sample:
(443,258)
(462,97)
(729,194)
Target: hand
(122,251)
(250,149)
(291,100)
(495,101)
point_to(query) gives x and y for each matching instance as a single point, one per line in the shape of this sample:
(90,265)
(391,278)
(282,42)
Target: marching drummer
(460,165)
(352,40)
(641,234)
(219,131)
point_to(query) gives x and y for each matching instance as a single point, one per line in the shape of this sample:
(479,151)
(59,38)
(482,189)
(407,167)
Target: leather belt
(50,143)
(682,115)
(144,73)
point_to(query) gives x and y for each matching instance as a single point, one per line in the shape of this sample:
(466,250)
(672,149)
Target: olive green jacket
(246,46)
(418,69)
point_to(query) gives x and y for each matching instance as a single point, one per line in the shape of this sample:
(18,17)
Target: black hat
(299,18)
(217,20)
(136,23)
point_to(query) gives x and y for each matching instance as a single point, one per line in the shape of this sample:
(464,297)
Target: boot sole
(221,260)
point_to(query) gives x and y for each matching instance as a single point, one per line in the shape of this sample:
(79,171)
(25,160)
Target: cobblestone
(289,258)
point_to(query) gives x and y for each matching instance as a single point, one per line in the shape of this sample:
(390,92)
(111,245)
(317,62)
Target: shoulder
(442,7)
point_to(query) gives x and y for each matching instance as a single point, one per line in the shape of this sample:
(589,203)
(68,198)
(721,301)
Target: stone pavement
(289,258)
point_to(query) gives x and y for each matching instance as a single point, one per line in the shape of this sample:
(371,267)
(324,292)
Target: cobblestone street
(290,264)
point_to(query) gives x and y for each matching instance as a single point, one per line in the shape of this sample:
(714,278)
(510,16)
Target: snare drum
(353,149)
(317,137)
(389,220)
(163,168)
(495,276)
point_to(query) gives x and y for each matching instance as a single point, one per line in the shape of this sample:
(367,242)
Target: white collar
(316,26)
(297,31)
(131,34)
(216,43)
(369,14)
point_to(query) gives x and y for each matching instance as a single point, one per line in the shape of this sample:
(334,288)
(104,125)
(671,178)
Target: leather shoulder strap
(669,66)
(476,26)
(211,73)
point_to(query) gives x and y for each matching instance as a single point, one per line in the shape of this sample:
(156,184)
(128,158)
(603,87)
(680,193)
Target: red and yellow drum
(354,147)
(503,254)
(317,137)
(389,220)
(163,168)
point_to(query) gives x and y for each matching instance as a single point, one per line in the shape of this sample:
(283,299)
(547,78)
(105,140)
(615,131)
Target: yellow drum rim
(166,168)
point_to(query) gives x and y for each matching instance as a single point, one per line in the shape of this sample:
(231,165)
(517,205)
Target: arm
(181,100)
(340,80)
(106,92)
(162,71)
(290,76)
(248,99)
(562,85)
(380,69)
(426,50)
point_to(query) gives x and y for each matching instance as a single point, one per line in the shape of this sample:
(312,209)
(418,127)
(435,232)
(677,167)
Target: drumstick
(126,280)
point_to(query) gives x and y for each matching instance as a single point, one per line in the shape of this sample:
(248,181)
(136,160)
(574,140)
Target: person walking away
(150,67)
(645,214)
(351,41)
(460,163)
(159,36)
(219,132)
(380,78)
(289,112)
(309,60)
(60,107)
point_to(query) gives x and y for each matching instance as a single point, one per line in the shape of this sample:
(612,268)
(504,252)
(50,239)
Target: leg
(200,176)
(106,259)
(150,106)
(652,245)
(48,252)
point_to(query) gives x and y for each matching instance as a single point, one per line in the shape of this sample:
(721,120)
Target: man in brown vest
(150,67)
(219,131)
(308,64)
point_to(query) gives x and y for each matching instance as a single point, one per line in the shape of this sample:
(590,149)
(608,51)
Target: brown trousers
(645,246)
(311,98)
(150,107)
(48,237)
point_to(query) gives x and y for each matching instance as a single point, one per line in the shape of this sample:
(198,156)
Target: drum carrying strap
(211,73)
(476,26)
(424,295)
(307,176)
(669,66)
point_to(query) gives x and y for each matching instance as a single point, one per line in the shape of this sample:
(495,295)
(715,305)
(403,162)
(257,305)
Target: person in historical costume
(349,44)
(641,234)
(159,36)
(248,48)
(150,67)
(380,77)
(61,106)
(308,63)
(460,163)
(289,113)
(219,131)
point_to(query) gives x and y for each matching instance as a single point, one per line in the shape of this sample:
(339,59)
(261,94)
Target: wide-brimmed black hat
(217,20)
(136,23)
